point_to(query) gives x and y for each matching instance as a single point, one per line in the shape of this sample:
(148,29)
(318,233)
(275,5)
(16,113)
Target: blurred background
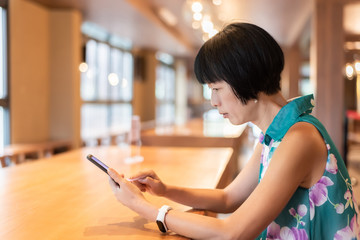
(79,70)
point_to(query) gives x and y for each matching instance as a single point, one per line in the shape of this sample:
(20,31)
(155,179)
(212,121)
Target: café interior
(115,78)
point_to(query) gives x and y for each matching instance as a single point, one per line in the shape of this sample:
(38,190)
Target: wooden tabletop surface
(67,197)
(199,127)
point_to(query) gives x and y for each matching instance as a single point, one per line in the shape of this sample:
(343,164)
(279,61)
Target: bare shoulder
(307,149)
(305,135)
(298,161)
(304,127)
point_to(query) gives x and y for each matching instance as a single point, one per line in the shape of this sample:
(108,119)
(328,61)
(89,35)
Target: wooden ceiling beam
(151,12)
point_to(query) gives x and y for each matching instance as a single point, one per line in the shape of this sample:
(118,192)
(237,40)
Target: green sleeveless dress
(328,209)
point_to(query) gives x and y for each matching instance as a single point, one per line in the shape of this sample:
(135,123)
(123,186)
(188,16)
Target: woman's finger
(141,186)
(117,178)
(115,175)
(148,181)
(113,183)
(142,174)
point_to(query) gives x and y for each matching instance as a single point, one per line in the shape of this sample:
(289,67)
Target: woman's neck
(268,108)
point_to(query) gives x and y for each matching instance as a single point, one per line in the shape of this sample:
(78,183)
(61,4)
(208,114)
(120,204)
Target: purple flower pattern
(349,232)
(299,214)
(339,208)
(348,198)
(318,195)
(285,233)
(331,165)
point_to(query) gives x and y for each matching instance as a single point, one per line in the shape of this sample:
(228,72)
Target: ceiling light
(197,7)
(207,26)
(113,79)
(357,66)
(213,32)
(349,71)
(83,67)
(197,16)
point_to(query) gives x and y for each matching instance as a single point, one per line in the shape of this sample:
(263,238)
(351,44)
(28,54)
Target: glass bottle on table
(135,140)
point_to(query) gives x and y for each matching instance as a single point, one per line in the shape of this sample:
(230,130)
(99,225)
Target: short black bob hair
(246,57)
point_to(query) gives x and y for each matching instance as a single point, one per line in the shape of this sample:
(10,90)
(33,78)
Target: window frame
(109,102)
(162,102)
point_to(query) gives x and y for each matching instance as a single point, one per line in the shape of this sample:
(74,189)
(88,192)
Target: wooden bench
(18,153)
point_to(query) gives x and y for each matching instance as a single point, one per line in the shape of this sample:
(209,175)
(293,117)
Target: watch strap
(160,219)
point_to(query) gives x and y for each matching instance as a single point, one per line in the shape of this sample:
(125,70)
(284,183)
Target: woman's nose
(214,101)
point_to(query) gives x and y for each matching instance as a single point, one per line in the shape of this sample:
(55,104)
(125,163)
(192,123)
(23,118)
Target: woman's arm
(298,161)
(299,158)
(184,223)
(216,200)
(291,165)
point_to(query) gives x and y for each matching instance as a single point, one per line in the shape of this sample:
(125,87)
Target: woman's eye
(215,89)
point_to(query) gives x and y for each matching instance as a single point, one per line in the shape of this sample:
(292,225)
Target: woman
(295,185)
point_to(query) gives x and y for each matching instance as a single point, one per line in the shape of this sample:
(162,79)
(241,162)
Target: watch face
(161,226)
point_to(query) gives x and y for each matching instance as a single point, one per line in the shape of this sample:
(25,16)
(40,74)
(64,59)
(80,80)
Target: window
(206,92)
(106,90)
(305,86)
(4,96)
(165,94)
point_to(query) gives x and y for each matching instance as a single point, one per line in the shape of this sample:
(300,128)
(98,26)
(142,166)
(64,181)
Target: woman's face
(228,105)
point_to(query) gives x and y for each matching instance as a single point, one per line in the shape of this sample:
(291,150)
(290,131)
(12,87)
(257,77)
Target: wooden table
(196,133)
(200,133)
(67,197)
(17,152)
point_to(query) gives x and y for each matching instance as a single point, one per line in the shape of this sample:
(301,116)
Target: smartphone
(99,164)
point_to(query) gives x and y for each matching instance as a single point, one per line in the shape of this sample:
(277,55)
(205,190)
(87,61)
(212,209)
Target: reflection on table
(210,131)
(212,125)
(67,197)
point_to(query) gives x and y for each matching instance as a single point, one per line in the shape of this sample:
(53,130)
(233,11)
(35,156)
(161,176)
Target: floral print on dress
(299,214)
(328,209)
(285,233)
(266,151)
(332,167)
(319,194)
(331,164)
(349,232)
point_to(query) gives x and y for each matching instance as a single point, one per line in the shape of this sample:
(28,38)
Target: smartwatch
(160,220)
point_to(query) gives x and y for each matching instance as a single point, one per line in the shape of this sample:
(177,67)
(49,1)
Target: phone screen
(97,162)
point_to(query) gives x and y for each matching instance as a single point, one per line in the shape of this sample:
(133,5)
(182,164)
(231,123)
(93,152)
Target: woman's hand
(148,181)
(126,192)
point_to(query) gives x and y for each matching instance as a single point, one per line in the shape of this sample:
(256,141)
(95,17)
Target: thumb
(115,175)
(148,181)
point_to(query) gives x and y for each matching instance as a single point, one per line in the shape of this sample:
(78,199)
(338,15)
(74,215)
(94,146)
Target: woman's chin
(235,121)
